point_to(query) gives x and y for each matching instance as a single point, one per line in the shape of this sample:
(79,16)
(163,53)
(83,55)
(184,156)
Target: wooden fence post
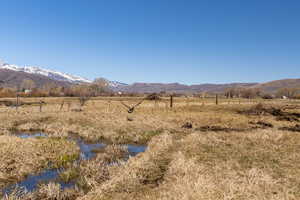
(171,101)
(217,99)
(108,107)
(62,105)
(17,102)
(69,105)
(41,105)
(187,103)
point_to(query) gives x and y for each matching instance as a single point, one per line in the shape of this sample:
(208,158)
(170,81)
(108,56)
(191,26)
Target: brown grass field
(239,149)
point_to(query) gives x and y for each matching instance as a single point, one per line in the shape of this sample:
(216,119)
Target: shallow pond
(87,152)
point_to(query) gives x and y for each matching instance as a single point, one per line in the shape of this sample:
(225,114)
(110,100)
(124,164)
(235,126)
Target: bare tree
(28,84)
(100,86)
(250,93)
(231,92)
(288,92)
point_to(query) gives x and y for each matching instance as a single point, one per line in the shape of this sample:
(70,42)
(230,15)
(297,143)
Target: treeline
(28,88)
(100,87)
(250,93)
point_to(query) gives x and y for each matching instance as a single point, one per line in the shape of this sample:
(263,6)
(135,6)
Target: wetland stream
(88,151)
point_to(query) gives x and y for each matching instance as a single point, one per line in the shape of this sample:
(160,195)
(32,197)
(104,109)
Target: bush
(267,96)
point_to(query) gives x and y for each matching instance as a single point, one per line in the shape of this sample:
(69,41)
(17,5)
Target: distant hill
(179,88)
(273,86)
(268,87)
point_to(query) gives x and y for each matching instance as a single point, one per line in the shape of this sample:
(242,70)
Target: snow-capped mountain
(116,84)
(54,75)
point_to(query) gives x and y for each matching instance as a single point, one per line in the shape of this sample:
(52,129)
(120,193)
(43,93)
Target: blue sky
(186,41)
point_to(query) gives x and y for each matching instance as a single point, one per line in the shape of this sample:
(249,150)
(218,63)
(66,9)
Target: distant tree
(49,86)
(101,82)
(231,92)
(56,91)
(7,92)
(288,92)
(27,84)
(267,96)
(100,86)
(250,93)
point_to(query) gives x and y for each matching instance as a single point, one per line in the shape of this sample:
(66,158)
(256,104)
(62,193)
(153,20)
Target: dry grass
(256,165)
(108,119)
(226,154)
(50,191)
(20,157)
(87,174)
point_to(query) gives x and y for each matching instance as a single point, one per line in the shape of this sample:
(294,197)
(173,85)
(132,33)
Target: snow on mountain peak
(55,75)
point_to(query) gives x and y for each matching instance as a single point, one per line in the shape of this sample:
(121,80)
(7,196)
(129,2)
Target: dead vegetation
(295,128)
(86,174)
(218,129)
(261,124)
(213,166)
(153,97)
(195,151)
(280,115)
(261,109)
(19,157)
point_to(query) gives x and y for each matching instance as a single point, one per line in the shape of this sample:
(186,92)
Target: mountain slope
(58,76)
(179,88)
(273,86)
(12,76)
(13,79)
(268,87)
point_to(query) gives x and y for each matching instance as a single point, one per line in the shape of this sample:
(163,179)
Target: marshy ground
(196,150)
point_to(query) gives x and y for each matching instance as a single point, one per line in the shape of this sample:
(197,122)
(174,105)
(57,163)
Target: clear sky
(186,41)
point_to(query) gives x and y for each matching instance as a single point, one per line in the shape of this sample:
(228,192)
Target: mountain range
(12,76)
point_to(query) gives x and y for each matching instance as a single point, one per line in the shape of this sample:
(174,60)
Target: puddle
(33,135)
(86,149)
(87,152)
(32,181)
(135,149)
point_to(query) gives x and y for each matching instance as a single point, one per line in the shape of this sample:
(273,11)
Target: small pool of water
(87,150)
(86,153)
(33,135)
(32,181)
(136,149)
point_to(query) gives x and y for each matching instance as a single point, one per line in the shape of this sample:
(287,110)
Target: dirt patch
(261,124)
(280,115)
(286,116)
(187,125)
(219,129)
(257,125)
(295,128)
(289,118)
(261,109)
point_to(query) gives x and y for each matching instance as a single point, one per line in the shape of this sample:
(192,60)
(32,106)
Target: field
(238,149)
